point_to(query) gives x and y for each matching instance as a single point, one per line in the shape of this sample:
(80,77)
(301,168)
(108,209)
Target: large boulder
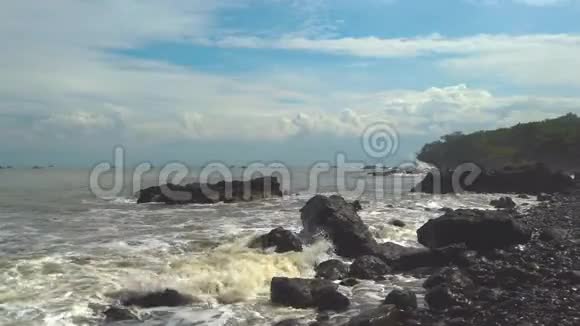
(166,298)
(369,268)
(196,193)
(477,229)
(307,293)
(333,269)
(531,179)
(338,220)
(281,239)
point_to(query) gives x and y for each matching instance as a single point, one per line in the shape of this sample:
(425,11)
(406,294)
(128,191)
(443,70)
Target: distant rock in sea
(196,193)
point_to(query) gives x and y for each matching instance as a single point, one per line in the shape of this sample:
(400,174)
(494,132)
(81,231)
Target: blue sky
(294,81)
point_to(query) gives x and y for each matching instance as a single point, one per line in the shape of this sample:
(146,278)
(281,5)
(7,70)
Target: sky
(294,81)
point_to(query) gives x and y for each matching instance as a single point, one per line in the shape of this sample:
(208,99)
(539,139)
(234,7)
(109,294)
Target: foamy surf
(232,272)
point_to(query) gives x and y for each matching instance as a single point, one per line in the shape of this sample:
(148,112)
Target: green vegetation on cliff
(554,142)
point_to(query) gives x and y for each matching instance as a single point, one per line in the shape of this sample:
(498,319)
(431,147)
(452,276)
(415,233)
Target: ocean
(65,252)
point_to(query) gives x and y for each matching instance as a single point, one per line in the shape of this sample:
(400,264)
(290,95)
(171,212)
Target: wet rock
(503,203)
(166,298)
(283,240)
(403,299)
(477,229)
(385,315)
(397,223)
(338,220)
(333,269)
(114,314)
(303,293)
(369,268)
(196,193)
(523,196)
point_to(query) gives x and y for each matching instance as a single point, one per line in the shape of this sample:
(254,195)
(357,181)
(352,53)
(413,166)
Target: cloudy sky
(289,80)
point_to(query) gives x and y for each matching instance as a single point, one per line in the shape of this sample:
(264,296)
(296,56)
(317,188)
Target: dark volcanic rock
(529,180)
(332,270)
(196,193)
(114,314)
(305,293)
(369,268)
(166,298)
(283,240)
(385,315)
(477,229)
(503,203)
(403,299)
(337,219)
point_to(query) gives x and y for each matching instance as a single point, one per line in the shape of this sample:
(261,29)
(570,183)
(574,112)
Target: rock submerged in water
(337,219)
(307,293)
(196,193)
(166,298)
(477,229)
(503,203)
(281,239)
(333,270)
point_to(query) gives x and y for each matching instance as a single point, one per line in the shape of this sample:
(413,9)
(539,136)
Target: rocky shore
(482,268)
(509,266)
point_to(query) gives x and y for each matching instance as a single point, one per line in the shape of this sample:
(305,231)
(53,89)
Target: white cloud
(538,59)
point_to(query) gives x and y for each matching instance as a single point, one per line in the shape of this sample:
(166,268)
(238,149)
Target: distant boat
(1,167)
(9,167)
(51,166)
(36,167)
